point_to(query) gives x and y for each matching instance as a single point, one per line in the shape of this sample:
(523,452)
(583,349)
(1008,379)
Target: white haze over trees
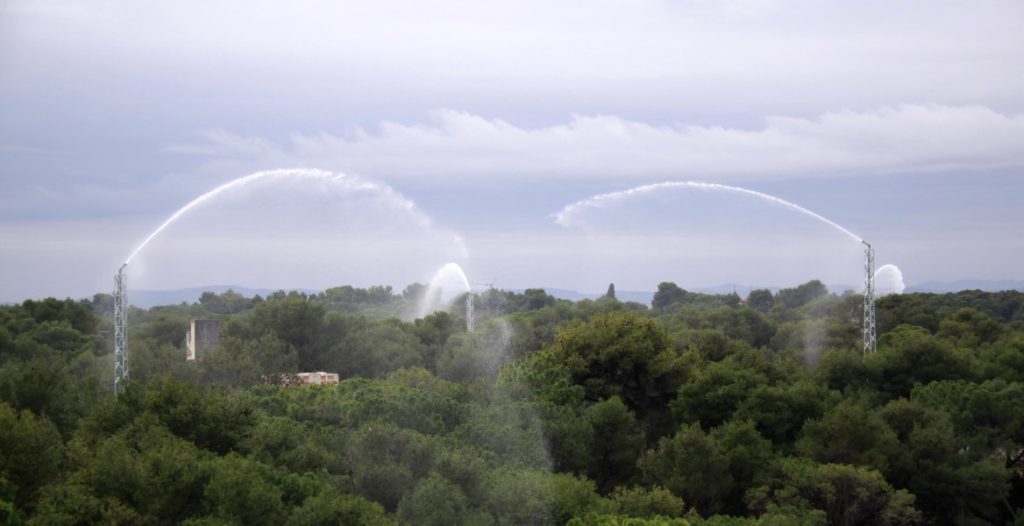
(903,123)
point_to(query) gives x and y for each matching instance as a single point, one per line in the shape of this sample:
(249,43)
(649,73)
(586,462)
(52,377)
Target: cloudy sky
(477,122)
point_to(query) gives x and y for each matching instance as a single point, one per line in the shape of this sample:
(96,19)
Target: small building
(317,378)
(292,379)
(202,337)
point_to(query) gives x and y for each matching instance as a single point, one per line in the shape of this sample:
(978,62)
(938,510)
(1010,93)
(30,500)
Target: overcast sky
(901,121)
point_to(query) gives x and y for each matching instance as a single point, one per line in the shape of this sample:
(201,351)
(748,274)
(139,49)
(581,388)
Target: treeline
(699,409)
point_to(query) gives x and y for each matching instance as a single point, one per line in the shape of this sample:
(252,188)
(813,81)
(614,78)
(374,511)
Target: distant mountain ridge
(968,284)
(150,298)
(145,299)
(646,297)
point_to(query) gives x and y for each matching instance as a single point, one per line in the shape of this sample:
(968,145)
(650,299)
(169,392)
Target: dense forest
(695,410)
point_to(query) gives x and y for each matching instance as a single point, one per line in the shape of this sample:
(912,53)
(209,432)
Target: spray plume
(346,182)
(445,275)
(567,216)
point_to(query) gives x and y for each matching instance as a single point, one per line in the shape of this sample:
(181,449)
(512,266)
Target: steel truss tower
(120,330)
(869,298)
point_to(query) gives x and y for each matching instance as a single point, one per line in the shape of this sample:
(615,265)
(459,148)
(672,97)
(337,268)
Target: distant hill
(645,297)
(150,298)
(145,299)
(622,295)
(968,284)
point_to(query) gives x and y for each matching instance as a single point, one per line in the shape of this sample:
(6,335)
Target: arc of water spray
(565,217)
(352,183)
(434,286)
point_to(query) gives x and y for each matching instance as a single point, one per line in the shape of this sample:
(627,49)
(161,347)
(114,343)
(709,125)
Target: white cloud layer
(903,138)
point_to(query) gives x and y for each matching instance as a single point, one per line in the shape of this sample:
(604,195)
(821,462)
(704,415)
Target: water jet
(448,274)
(371,212)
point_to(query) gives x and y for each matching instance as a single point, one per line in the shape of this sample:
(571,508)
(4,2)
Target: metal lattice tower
(120,331)
(470,315)
(869,298)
